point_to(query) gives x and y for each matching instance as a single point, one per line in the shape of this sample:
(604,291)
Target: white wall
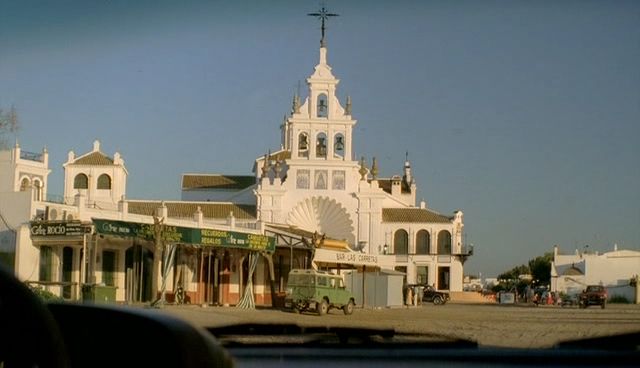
(611,269)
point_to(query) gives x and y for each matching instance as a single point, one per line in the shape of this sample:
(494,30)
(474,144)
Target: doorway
(139,270)
(443,278)
(211,277)
(67,271)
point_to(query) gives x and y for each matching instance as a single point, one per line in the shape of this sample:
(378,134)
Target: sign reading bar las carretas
(57,228)
(186,235)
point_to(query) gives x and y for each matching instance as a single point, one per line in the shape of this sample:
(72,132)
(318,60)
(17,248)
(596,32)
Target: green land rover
(317,291)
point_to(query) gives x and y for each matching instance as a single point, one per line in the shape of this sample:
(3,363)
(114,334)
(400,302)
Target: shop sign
(56,228)
(330,256)
(356,258)
(186,235)
(235,239)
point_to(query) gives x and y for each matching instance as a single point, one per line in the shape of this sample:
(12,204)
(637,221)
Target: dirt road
(489,325)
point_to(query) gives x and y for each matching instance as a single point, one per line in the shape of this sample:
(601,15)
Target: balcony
(31,156)
(466,251)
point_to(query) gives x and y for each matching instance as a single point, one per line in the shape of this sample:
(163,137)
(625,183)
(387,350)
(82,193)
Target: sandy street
(489,325)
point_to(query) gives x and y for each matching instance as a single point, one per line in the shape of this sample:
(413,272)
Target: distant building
(571,273)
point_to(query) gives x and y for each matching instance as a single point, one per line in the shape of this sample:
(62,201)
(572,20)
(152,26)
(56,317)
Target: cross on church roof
(322,15)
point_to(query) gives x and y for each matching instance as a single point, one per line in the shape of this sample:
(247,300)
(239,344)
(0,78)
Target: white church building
(313,183)
(310,203)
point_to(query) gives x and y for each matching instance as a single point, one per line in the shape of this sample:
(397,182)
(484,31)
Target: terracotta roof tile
(94,158)
(413,215)
(385,184)
(187,209)
(207,181)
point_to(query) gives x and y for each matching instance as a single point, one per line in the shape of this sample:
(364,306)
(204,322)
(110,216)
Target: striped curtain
(247,301)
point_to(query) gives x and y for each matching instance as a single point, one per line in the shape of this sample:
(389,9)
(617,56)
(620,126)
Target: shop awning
(187,235)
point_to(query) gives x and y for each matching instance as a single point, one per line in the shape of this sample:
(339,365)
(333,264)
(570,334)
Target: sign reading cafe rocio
(59,228)
(187,235)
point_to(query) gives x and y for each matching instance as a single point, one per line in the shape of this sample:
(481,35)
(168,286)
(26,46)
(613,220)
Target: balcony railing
(31,156)
(55,198)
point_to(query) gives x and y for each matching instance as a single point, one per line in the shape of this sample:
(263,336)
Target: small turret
(407,170)
(347,108)
(374,169)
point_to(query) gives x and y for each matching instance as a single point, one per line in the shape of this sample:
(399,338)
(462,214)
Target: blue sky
(525,115)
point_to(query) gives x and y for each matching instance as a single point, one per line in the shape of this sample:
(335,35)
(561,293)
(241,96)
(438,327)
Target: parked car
(431,295)
(318,291)
(593,295)
(569,300)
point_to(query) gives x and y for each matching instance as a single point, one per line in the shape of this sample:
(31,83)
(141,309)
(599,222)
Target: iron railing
(31,156)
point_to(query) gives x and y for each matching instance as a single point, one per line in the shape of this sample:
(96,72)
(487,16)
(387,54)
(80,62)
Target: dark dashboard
(74,335)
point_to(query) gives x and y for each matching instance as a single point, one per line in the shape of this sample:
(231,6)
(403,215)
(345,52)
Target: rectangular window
(422,275)
(302,179)
(338,180)
(323,281)
(109,267)
(46,263)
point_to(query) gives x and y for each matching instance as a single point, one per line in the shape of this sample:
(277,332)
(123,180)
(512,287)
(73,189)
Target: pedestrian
(409,299)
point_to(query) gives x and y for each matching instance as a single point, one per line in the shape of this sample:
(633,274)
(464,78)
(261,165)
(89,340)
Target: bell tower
(320,128)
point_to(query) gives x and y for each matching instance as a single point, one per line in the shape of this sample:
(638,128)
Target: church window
(303,141)
(37,194)
(24,184)
(444,242)
(321,145)
(338,145)
(323,106)
(321,179)
(422,242)
(104,181)
(81,182)
(401,242)
(302,179)
(338,180)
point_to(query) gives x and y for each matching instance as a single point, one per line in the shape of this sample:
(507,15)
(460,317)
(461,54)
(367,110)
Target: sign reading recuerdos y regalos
(187,235)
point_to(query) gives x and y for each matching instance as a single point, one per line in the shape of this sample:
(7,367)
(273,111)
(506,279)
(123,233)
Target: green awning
(187,235)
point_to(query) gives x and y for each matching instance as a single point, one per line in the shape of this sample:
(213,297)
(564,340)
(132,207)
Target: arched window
(303,144)
(24,184)
(444,242)
(422,242)
(323,106)
(37,194)
(401,242)
(321,145)
(81,182)
(104,181)
(338,145)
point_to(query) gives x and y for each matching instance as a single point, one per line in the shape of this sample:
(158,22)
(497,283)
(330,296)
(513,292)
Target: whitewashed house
(572,272)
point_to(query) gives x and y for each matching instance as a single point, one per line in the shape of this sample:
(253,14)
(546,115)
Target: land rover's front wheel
(323,307)
(348,308)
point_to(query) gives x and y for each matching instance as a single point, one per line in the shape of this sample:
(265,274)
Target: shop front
(62,267)
(208,266)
